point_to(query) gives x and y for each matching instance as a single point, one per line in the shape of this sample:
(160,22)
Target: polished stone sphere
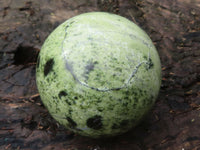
(98,74)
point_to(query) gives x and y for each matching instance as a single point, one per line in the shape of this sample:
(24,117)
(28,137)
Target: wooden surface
(173,123)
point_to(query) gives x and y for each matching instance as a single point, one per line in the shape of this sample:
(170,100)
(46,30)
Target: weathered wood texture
(174,27)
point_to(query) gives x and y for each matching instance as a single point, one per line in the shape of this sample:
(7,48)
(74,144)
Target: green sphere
(98,74)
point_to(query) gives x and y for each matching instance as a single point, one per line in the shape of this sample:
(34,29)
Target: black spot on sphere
(38,61)
(68,102)
(115,126)
(48,66)
(149,64)
(150,100)
(134,105)
(124,123)
(125,104)
(145,57)
(100,109)
(89,67)
(62,94)
(95,122)
(136,100)
(72,123)
(70,111)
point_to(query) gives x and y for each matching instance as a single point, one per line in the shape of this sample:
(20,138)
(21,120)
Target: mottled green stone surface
(98,74)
